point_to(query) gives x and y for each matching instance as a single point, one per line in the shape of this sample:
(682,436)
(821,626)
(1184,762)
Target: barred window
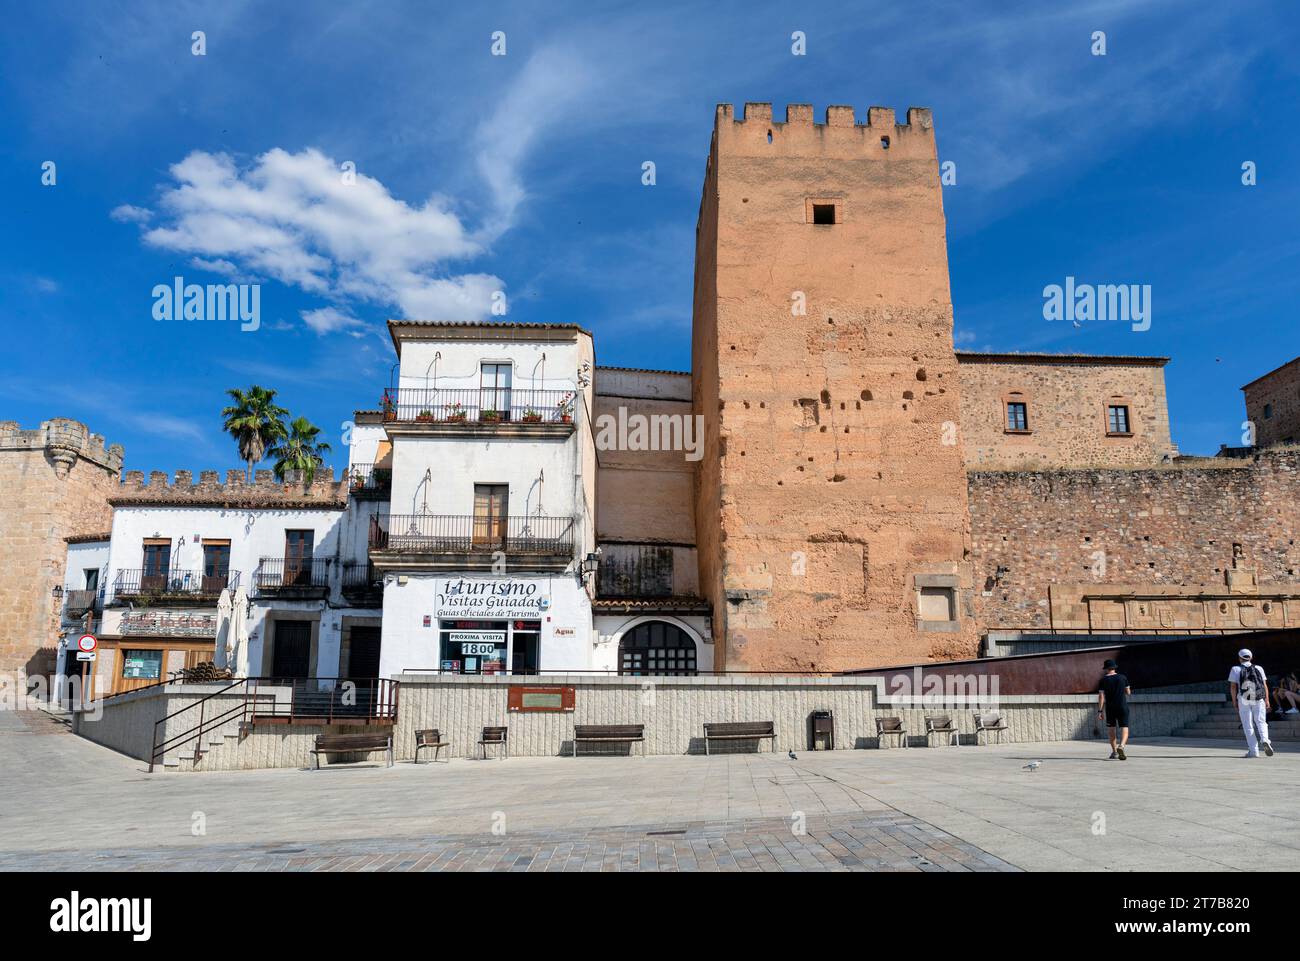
(656,648)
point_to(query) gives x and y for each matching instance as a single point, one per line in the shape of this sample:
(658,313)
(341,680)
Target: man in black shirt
(1112,704)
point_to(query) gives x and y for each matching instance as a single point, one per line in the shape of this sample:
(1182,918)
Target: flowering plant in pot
(456,412)
(389,408)
(532,417)
(565,408)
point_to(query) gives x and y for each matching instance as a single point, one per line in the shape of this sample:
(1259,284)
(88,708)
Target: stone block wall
(56,481)
(1066,400)
(1167,527)
(1273,405)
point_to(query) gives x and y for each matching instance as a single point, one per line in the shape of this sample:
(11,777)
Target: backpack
(1250,683)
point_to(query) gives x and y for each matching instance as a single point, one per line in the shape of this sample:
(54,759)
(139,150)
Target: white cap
(1244,654)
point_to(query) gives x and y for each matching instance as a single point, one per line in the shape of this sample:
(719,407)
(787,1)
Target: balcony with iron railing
(464,534)
(292,577)
(368,482)
(362,585)
(78,603)
(475,410)
(145,586)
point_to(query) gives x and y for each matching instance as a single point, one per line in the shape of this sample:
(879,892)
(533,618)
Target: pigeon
(1032,766)
(792,757)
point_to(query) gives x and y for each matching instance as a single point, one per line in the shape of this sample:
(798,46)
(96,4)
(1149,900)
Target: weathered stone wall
(831,493)
(1066,399)
(1279,391)
(56,481)
(1170,527)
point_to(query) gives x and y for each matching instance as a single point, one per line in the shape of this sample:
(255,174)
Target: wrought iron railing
(360,576)
(280,574)
(145,581)
(486,405)
(469,534)
(369,479)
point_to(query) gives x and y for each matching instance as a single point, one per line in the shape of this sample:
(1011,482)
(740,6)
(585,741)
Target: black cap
(1110,664)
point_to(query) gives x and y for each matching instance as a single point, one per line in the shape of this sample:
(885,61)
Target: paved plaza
(1176,805)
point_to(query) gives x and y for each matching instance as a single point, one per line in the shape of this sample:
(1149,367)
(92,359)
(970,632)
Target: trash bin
(821,731)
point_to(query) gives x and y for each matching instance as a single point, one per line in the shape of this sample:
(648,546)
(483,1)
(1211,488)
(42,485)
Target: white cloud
(292,218)
(46,286)
(327,320)
(129,214)
(544,93)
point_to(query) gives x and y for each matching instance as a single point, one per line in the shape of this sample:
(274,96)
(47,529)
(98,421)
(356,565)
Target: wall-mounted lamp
(58,592)
(590,564)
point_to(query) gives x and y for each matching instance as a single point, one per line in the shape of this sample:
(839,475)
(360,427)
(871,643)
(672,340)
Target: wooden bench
(941,724)
(609,734)
(494,735)
(989,722)
(429,738)
(891,727)
(739,731)
(347,743)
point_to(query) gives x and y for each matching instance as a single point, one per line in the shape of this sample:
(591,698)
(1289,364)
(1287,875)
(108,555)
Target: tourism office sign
(504,598)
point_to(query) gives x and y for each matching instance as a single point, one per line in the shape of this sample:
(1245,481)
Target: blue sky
(523,173)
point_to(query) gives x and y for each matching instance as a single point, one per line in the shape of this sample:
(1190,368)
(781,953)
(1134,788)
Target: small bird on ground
(1032,766)
(792,757)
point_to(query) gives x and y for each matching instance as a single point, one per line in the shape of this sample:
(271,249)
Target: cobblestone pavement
(888,843)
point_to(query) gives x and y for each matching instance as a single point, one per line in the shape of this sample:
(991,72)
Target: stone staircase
(1223,722)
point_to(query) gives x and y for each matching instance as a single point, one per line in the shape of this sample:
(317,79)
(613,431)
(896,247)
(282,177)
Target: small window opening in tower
(769,136)
(884,143)
(823,213)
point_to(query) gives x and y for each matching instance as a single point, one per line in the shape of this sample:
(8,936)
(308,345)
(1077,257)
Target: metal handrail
(478,405)
(383,706)
(470,533)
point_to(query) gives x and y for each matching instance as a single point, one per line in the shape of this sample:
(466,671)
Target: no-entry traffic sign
(87,644)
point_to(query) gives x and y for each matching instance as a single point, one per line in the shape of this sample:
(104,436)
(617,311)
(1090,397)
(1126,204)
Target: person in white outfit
(1250,697)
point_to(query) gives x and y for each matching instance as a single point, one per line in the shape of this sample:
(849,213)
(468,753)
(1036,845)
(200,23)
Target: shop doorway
(363,653)
(291,650)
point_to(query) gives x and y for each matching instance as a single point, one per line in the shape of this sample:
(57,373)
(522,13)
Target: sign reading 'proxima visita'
(504,598)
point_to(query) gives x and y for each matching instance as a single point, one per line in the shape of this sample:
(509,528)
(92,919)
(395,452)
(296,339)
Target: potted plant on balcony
(456,413)
(532,417)
(358,479)
(425,416)
(382,477)
(389,408)
(565,408)
(489,416)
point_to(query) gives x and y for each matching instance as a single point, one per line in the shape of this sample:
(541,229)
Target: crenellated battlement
(234,491)
(66,440)
(920,120)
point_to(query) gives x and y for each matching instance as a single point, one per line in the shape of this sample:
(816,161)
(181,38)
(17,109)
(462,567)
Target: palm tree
(299,450)
(255,422)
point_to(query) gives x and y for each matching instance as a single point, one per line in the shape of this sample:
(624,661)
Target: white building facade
(463,538)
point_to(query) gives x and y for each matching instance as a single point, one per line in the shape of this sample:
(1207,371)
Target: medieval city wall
(1161,530)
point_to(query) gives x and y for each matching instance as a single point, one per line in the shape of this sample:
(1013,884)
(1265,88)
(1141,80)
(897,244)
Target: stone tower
(54,482)
(831,509)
